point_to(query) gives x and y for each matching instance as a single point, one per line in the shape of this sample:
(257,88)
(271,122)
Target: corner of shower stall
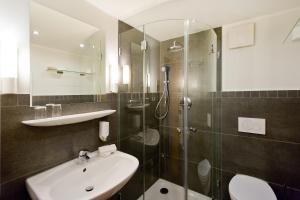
(178,145)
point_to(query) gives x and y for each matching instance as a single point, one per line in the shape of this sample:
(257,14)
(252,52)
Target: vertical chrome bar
(185,107)
(144,109)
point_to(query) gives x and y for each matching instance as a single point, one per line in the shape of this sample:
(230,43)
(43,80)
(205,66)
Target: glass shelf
(62,71)
(68,119)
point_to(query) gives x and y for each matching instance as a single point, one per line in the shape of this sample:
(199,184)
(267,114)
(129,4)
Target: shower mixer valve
(191,130)
(186,100)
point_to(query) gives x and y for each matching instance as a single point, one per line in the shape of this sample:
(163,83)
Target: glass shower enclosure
(168,109)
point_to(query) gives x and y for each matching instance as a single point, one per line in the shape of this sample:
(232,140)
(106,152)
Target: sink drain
(89,188)
(164,190)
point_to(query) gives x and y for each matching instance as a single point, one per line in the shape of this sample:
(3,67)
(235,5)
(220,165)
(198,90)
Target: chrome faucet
(84,156)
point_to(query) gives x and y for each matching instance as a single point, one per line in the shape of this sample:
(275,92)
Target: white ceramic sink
(72,179)
(68,119)
(151,137)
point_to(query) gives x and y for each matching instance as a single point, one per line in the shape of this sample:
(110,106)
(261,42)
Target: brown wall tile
(27,150)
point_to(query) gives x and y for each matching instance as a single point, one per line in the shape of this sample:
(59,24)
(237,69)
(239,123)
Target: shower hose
(165,95)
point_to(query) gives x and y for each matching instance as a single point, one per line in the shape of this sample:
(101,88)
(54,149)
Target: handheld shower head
(166,69)
(165,95)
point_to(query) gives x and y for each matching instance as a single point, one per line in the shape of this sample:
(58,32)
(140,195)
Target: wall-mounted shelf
(68,119)
(61,71)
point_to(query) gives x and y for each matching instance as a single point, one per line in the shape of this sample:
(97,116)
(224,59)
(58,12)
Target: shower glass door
(168,110)
(180,77)
(165,72)
(201,138)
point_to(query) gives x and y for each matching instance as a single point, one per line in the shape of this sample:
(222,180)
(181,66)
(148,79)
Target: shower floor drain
(164,190)
(89,188)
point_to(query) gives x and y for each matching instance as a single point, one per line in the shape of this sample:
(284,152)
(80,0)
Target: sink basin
(99,178)
(151,137)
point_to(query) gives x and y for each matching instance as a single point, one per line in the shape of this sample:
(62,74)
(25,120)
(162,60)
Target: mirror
(131,61)
(136,83)
(67,58)
(294,34)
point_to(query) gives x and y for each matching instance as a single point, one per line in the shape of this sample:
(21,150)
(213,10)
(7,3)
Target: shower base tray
(174,192)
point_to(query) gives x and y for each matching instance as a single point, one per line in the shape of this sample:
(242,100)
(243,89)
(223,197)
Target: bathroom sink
(150,138)
(99,178)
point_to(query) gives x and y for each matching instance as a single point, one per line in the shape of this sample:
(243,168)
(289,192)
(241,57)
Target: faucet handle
(84,155)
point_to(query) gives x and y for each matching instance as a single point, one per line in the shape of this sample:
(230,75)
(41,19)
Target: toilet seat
(204,175)
(242,187)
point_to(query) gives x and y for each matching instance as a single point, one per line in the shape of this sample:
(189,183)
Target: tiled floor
(175,192)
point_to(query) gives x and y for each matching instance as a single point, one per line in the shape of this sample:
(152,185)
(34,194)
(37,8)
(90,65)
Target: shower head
(176,46)
(166,68)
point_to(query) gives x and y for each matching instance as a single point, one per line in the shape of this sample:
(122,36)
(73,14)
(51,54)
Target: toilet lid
(242,187)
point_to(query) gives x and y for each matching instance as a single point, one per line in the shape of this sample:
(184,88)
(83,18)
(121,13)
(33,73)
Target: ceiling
(57,30)
(207,12)
(126,8)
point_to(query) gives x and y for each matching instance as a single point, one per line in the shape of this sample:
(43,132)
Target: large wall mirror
(67,58)
(131,61)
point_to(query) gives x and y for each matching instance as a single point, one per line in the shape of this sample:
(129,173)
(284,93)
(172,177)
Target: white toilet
(242,187)
(204,174)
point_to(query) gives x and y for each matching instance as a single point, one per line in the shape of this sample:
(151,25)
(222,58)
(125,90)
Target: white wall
(268,65)
(14,19)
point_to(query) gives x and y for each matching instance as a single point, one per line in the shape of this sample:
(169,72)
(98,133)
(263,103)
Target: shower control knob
(186,101)
(193,130)
(179,130)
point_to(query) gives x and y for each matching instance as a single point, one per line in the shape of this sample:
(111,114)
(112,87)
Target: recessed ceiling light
(81,45)
(35,33)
